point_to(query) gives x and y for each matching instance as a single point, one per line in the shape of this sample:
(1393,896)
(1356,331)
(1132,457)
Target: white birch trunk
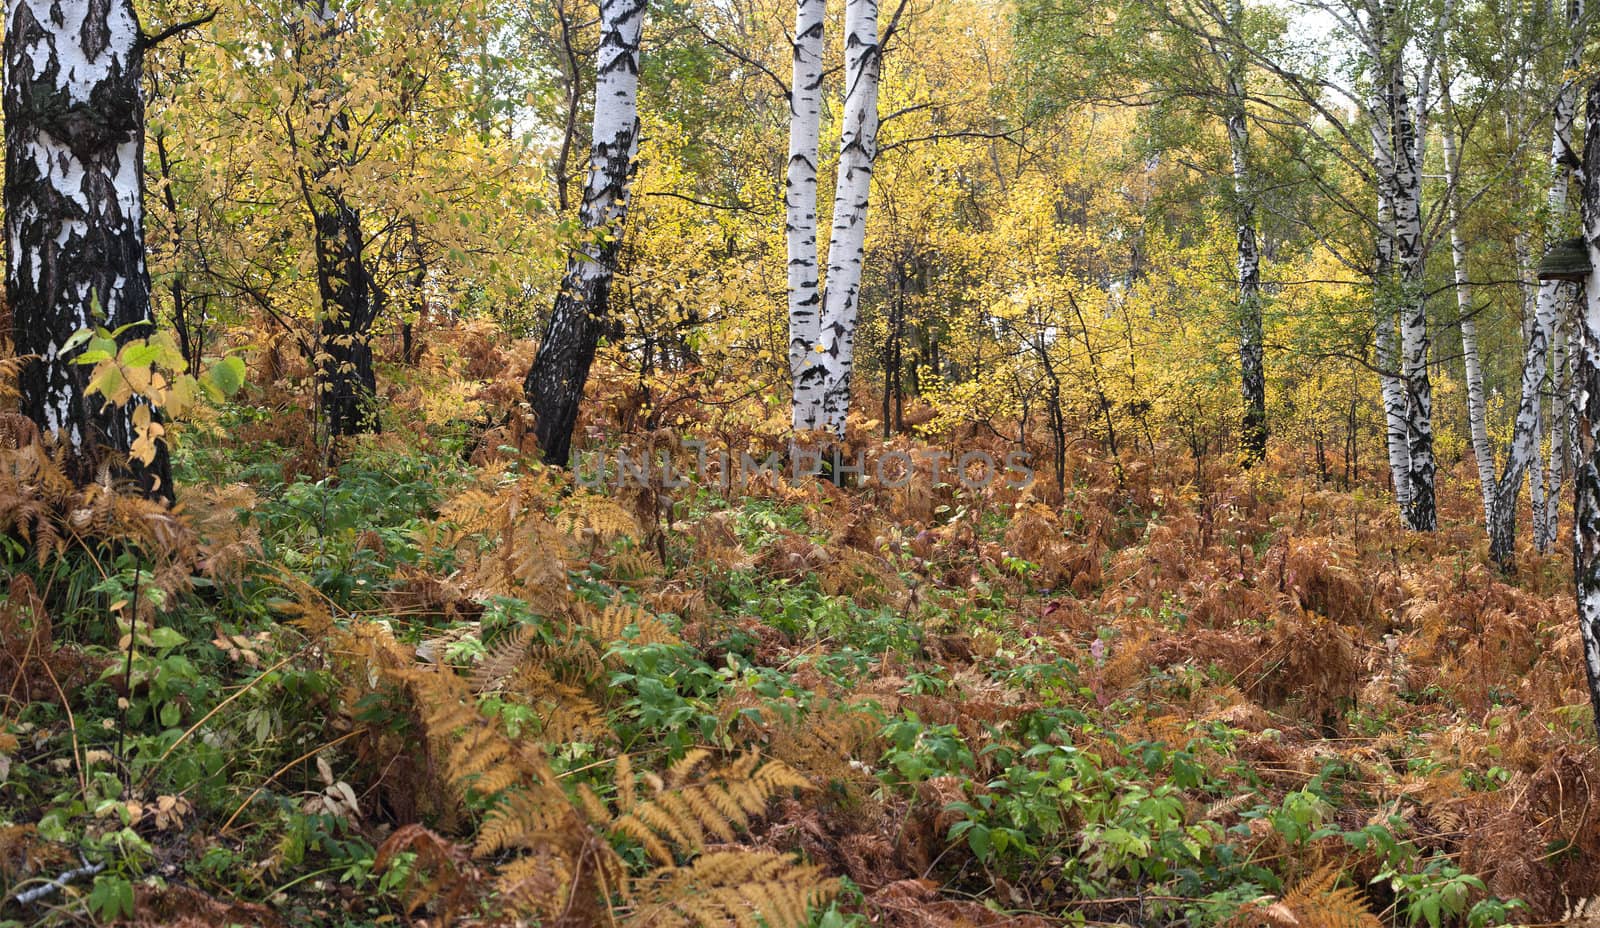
(1252,374)
(74,217)
(1547,522)
(1420,512)
(1586,507)
(822,389)
(800,185)
(1380,109)
(555,382)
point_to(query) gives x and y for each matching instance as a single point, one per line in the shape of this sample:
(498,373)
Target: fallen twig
(59,883)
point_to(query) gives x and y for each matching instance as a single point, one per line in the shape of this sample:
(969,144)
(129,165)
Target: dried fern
(750,889)
(1318,901)
(695,802)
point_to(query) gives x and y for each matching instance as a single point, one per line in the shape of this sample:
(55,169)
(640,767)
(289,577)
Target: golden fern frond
(532,818)
(534,881)
(1317,901)
(634,563)
(566,714)
(43,506)
(747,889)
(627,793)
(825,741)
(720,802)
(10,370)
(470,512)
(589,517)
(502,659)
(627,622)
(440,871)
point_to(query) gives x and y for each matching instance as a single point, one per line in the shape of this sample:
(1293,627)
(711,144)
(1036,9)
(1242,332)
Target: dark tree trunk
(555,381)
(189,329)
(74,205)
(348,387)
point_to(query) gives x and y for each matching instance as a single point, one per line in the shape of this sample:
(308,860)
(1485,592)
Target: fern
(691,804)
(43,507)
(750,889)
(1318,901)
(545,847)
(442,872)
(621,622)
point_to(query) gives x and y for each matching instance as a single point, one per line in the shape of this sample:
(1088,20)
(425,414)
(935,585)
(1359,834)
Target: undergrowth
(442,682)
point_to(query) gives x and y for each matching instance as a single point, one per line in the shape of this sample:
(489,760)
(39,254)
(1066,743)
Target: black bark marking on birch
(74,250)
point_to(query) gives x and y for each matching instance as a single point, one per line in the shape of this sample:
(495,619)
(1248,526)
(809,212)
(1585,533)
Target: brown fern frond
(690,804)
(1318,901)
(43,507)
(442,873)
(595,519)
(630,623)
(731,888)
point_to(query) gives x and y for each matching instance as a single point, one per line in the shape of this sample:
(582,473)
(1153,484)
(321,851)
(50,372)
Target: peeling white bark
(800,183)
(822,388)
(1252,373)
(1586,508)
(555,381)
(1380,108)
(74,213)
(1420,512)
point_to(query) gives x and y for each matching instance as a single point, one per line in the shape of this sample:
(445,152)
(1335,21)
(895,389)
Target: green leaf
(75,339)
(978,840)
(165,639)
(225,377)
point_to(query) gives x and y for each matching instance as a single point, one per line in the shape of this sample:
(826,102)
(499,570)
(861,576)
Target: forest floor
(1249,699)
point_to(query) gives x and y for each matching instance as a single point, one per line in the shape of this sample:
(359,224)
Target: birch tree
(1547,521)
(800,189)
(822,386)
(555,381)
(1586,505)
(74,205)
(1526,433)
(1420,511)
(1252,373)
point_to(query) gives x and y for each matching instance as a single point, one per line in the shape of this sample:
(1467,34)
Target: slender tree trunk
(1547,521)
(74,213)
(1477,407)
(822,389)
(800,201)
(555,382)
(1387,355)
(1586,505)
(1252,375)
(1525,436)
(1420,512)
(348,384)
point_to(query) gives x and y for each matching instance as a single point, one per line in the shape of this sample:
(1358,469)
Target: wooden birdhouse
(1567,259)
